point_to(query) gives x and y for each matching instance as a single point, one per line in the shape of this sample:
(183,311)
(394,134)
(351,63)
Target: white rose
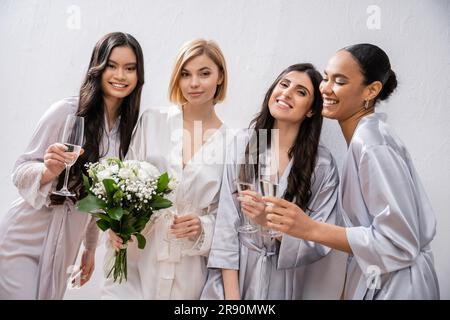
(151,170)
(104,174)
(143,175)
(125,173)
(114,169)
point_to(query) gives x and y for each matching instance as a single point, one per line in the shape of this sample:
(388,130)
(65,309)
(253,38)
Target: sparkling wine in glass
(72,139)
(247,226)
(182,207)
(268,183)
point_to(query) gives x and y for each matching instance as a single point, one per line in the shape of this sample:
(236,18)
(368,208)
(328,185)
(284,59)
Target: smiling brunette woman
(251,265)
(41,234)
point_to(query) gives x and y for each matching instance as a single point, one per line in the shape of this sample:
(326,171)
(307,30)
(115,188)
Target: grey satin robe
(38,242)
(265,265)
(389,218)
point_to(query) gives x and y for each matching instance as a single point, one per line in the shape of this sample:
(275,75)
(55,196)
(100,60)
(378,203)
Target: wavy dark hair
(91,107)
(304,150)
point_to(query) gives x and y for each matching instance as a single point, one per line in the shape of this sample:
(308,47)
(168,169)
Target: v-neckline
(200,150)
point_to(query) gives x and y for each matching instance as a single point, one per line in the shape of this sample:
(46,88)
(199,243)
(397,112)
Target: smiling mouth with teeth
(283,104)
(118,85)
(329,101)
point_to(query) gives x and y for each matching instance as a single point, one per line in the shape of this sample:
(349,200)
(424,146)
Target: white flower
(104,174)
(114,169)
(151,170)
(125,173)
(173,184)
(143,175)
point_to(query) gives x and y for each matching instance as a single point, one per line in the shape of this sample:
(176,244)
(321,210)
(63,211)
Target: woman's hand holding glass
(253,206)
(186,226)
(73,140)
(287,217)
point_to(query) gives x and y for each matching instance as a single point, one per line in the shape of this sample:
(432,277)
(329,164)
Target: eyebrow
(202,69)
(127,64)
(298,85)
(337,75)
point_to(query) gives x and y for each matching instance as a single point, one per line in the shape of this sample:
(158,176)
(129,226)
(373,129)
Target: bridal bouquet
(122,195)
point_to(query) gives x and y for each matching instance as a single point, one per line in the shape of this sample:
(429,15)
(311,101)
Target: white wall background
(45,52)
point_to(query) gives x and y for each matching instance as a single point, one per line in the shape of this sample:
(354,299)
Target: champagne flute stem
(66,177)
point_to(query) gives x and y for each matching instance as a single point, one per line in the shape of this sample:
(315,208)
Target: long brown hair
(304,149)
(91,107)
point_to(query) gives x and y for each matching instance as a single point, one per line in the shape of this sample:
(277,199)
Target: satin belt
(54,255)
(266,265)
(362,291)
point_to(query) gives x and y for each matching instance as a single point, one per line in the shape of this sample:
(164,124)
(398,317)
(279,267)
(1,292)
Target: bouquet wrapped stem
(122,196)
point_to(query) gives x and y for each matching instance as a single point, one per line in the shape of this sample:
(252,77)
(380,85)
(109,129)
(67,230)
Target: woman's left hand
(188,225)
(87,265)
(288,218)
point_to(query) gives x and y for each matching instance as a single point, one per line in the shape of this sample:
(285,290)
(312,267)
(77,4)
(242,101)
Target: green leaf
(127,230)
(90,203)
(163,182)
(141,240)
(110,187)
(115,213)
(86,183)
(139,225)
(115,226)
(103,224)
(102,216)
(159,202)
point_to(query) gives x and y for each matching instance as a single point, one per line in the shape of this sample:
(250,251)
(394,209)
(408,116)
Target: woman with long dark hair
(247,262)
(389,222)
(41,234)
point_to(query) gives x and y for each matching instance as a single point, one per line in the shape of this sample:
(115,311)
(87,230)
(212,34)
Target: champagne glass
(72,139)
(182,207)
(268,182)
(245,180)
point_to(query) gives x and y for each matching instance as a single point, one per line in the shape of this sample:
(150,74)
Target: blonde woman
(187,140)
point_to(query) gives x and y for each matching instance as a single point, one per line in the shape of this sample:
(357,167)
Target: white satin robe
(389,218)
(163,270)
(38,243)
(267,268)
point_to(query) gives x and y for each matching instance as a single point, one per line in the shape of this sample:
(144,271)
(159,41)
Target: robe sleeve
(296,252)
(91,235)
(202,244)
(29,167)
(391,241)
(224,253)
